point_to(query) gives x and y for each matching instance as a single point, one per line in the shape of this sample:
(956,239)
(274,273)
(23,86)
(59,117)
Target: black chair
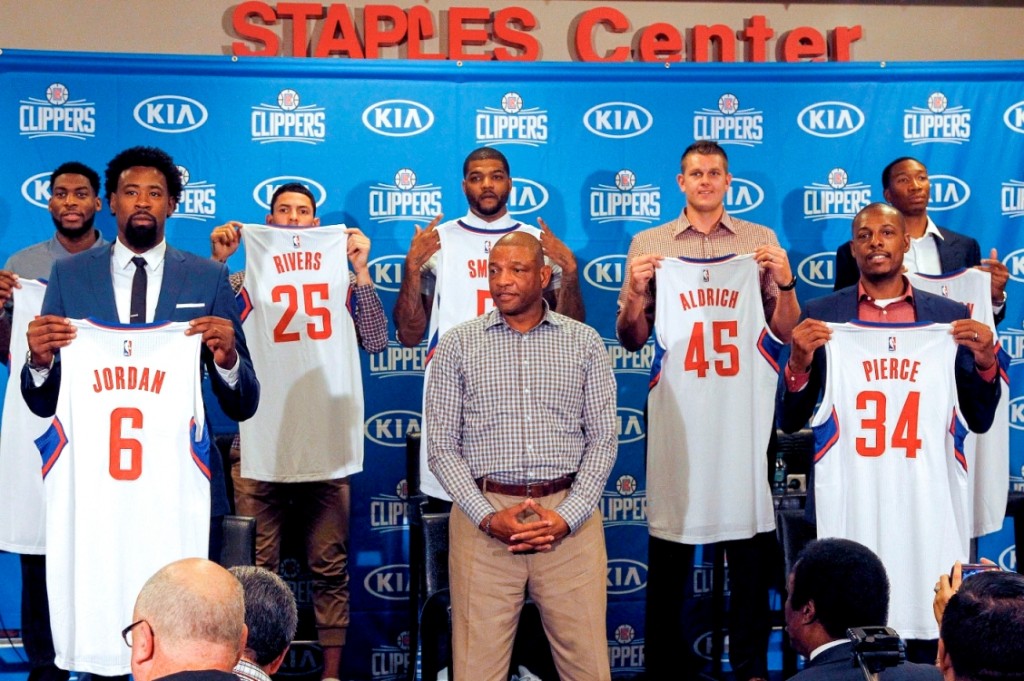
(434,616)
(238,541)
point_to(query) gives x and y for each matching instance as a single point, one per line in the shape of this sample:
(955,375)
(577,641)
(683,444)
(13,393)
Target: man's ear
(943,662)
(276,663)
(143,644)
(808,612)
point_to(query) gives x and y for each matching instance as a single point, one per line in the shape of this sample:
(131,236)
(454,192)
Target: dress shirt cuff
(572,513)
(796,381)
(39,375)
(230,376)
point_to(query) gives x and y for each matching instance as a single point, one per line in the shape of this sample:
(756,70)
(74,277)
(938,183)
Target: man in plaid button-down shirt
(521,410)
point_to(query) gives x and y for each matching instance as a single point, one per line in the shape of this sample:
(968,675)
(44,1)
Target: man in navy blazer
(880,240)
(143,188)
(934,249)
(835,585)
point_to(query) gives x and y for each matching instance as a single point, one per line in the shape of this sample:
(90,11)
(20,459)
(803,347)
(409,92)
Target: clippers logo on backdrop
(618,120)
(938,123)
(625,200)
(631,425)
(389,428)
(403,199)
(626,362)
(397,360)
(818,270)
(390,662)
(388,582)
(289,121)
(1012,341)
(398,118)
(729,124)
(830,119)
(170,114)
(626,651)
(743,196)
(1014,117)
(627,505)
(264,191)
(57,115)
(837,199)
(387,511)
(948,192)
(606,273)
(527,196)
(513,123)
(198,198)
(1011,199)
(36,189)
(625,576)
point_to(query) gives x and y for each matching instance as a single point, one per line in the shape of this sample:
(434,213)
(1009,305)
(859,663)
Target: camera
(876,648)
(971,569)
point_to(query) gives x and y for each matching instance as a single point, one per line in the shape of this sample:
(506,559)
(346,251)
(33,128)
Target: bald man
(188,624)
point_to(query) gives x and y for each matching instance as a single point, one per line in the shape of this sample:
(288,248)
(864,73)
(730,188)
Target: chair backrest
(238,542)
(794,534)
(797,449)
(435,545)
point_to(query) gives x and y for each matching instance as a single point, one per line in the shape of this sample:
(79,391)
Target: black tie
(138,307)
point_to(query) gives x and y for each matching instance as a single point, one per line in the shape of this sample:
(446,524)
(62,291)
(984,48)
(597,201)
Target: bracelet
(790,286)
(487,524)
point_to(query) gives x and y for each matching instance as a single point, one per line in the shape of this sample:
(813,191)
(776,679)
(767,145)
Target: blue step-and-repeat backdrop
(594,151)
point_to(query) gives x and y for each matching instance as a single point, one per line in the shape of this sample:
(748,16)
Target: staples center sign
(600,34)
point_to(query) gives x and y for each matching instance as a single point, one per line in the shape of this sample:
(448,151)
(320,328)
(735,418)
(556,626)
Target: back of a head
(983,627)
(193,601)
(847,583)
(270,613)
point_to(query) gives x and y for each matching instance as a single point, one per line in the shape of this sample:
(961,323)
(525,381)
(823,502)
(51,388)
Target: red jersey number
(119,444)
(728,361)
(312,298)
(904,435)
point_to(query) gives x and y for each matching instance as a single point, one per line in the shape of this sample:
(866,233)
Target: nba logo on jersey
(892,343)
(706,274)
(126,348)
(296,241)
(487,247)
(945,291)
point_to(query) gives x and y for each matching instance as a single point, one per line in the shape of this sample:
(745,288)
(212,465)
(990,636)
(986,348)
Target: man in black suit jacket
(837,584)
(934,249)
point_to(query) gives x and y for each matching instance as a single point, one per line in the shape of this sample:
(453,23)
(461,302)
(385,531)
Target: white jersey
(712,403)
(889,468)
(126,473)
(988,454)
(302,338)
(22,505)
(461,292)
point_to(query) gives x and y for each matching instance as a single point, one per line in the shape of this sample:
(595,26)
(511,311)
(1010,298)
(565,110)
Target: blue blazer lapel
(175,276)
(100,283)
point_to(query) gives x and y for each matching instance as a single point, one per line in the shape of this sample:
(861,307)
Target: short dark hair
(483,154)
(270,612)
(296,188)
(878,206)
(705,148)
(862,600)
(983,627)
(887,171)
(146,157)
(76,168)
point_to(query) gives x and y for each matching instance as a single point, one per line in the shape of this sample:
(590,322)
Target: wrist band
(487,524)
(790,286)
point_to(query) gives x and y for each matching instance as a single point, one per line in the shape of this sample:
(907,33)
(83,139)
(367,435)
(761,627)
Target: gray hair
(270,612)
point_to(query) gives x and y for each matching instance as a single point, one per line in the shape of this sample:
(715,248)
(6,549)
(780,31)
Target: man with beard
(142,279)
(74,200)
(445,278)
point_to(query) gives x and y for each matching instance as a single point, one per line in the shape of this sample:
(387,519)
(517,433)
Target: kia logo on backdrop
(818,270)
(830,119)
(527,196)
(631,425)
(389,428)
(389,582)
(170,113)
(948,192)
(264,191)
(1017,413)
(1014,117)
(36,189)
(398,118)
(606,272)
(625,576)
(1015,263)
(618,120)
(386,272)
(743,196)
